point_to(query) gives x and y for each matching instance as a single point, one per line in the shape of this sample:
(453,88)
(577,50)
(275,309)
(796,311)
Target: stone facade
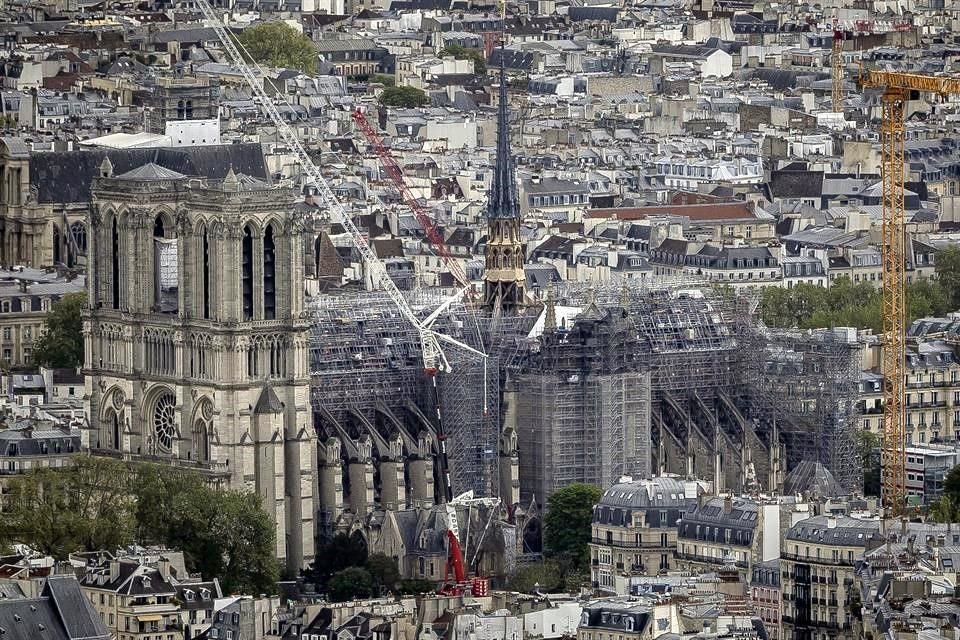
(196,337)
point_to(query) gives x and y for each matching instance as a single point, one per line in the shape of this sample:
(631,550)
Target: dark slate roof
(511,59)
(540,276)
(714,510)
(796,184)
(268,402)
(659,492)
(778,79)
(66,176)
(683,50)
(842,531)
(60,613)
(608,14)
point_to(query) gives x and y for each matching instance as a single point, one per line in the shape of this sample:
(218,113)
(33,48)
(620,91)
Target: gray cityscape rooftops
(836,530)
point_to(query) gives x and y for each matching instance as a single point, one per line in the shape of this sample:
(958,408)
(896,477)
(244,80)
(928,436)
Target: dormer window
(146,582)
(188,595)
(204,594)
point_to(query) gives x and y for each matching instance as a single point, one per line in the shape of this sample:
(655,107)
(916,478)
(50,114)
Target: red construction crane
(852,30)
(396,175)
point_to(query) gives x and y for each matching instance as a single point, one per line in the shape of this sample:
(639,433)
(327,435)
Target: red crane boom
(396,175)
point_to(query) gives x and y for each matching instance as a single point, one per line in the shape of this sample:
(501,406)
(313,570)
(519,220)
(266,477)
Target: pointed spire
(106,167)
(504,201)
(230,181)
(550,318)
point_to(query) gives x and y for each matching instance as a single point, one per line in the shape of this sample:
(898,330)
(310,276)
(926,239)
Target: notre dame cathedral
(196,336)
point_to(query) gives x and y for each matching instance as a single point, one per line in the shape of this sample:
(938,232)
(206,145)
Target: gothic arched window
(269,273)
(181,110)
(78,233)
(246,273)
(165,267)
(115,265)
(206,275)
(201,440)
(56,244)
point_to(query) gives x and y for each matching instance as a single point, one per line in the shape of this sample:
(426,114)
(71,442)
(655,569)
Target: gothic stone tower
(196,337)
(504,279)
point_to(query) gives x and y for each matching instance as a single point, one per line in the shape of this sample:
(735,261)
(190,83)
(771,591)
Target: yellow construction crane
(897,88)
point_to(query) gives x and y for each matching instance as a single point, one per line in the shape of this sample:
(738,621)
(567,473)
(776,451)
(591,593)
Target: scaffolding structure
(364,356)
(802,386)
(635,377)
(583,404)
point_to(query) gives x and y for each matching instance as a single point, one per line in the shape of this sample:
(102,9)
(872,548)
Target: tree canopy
(338,553)
(99,503)
(350,584)
(947,509)
(463,53)
(277,44)
(846,304)
(566,527)
(384,572)
(61,343)
(948,273)
(407,97)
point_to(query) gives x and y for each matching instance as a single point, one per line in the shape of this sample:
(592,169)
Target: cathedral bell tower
(196,337)
(504,280)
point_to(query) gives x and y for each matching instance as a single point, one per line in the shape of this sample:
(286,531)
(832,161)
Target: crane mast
(396,176)
(898,88)
(433,358)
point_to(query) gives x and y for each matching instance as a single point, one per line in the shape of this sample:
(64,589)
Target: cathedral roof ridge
(150,171)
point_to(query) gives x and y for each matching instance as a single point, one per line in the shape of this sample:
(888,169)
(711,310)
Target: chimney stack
(727,504)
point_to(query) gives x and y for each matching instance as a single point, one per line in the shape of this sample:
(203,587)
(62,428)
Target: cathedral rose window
(163,427)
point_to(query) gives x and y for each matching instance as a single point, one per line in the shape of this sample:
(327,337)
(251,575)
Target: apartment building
(26,295)
(140,598)
(33,443)
(933,392)
(715,532)
(765,596)
(634,530)
(818,575)
(926,468)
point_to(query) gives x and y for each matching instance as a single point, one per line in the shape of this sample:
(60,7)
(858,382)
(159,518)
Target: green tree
(350,584)
(948,274)
(943,510)
(407,97)
(463,53)
(416,586)
(98,503)
(384,79)
(277,44)
(61,343)
(340,552)
(383,569)
(926,298)
(85,507)
(247,543)
(951,486)
(544,576)
(566,527)
(221,533)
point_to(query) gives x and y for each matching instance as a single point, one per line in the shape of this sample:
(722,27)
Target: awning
(149,618)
